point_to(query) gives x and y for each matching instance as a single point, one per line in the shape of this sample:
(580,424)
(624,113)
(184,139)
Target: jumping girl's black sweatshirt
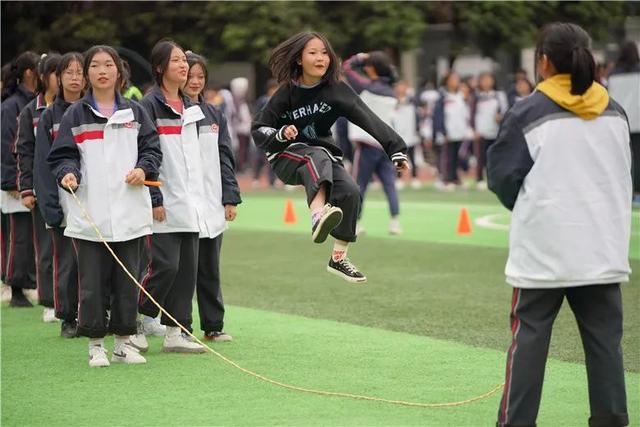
(313,110)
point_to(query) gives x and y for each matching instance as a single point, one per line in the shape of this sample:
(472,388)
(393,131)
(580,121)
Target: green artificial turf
(46,380)
(432,325)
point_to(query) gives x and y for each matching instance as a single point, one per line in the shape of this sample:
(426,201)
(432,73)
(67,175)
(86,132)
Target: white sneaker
(439,185)
(5,293)
(152,326)
(394,227)
(416,184)
(139,341)
(128,354)
(360,230)
(98,356)
(49,315)
(176,343)
(31,294)
(481,185)
(400,184)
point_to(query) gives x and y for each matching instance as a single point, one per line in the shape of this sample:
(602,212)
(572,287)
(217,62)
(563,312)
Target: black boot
(18,299)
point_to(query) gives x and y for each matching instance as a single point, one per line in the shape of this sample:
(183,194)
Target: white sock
(339,251)
(96,342)
(172,331)
(120,342)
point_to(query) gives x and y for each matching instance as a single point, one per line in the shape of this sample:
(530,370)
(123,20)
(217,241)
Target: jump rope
(256,375)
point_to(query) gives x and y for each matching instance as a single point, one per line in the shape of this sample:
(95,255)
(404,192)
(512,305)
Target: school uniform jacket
(488,104)
(313,110)
(52,200)
(100,152)
(181,172)
(451,118)
(563,165)
(11,108)
(220,184)
(25,143)
(377,94)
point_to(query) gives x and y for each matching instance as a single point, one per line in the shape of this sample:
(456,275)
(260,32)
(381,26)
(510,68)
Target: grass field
(431,325)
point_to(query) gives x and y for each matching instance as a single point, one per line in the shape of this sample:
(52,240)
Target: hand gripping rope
(490,393)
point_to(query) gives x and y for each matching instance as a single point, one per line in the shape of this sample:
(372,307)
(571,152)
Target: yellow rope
(490,393)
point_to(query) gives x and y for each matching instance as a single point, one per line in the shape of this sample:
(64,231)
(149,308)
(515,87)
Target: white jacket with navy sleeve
(100,152)
(562,163)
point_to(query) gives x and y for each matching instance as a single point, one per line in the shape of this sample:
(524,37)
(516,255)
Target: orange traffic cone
(290,213)
(464,223)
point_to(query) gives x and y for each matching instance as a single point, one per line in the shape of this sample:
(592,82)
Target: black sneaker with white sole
(346,270)
(330,218)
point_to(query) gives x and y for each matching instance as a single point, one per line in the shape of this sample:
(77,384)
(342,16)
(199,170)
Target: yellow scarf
(588,106)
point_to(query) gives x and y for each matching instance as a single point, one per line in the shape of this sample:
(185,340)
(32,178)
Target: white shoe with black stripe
(127,354)
(346,270)
(330,218)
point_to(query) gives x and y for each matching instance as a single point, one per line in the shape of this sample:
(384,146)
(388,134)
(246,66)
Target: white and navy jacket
(568,182)
(52,200)
(100,152)
(220,184)
(451,118)
(26,142)
(376,94)
(487,105)
(181,172)
(11,108)
(624,87)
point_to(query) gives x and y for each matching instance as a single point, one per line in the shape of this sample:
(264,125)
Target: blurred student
(624,87)
(294,131)
(25,147)
(562,163)
(372,76)
(490,106)
(105,149)
(260,160)
(451,119)
(51,198)
(18,260)
(405,122)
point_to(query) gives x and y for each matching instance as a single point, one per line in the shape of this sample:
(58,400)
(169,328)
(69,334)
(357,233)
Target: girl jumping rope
(294,131)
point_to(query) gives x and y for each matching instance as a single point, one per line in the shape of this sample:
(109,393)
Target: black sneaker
(330,218)
(19,300)
(346,270)
(69,329)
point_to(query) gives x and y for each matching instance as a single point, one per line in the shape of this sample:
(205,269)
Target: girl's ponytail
(583,70)
(25,61)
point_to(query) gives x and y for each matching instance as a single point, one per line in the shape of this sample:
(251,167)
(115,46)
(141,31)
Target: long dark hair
(25,61)
(64,63)
(160,57)
(284,58)
(568,47)
(47,66)
(628,59)
(88,57)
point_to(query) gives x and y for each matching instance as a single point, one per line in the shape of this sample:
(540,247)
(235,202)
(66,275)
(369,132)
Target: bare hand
(29,202)
(402,166)
(230,212)
(290,133)
(135,177)
(69,181)
(159,214)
